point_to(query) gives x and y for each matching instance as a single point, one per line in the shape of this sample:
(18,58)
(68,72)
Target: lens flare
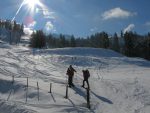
(18,11)
(32,3)
(36,6)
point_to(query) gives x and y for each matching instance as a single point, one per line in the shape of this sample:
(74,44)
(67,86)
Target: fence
(66,94)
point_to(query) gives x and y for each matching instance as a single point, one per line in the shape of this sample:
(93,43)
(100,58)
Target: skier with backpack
(86,75)
(70,73)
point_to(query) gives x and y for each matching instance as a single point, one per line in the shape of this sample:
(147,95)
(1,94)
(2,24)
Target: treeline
(136,45)
(130,43)
(40,40)
(11,30)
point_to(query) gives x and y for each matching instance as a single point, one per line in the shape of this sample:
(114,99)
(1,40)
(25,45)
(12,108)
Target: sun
(32,3)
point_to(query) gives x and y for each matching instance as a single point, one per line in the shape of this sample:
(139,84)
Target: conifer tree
(116,46)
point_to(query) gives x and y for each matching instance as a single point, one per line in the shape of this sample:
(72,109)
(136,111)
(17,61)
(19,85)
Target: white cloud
(48,14)
(130,27)
(147,23)
(49,26)
(93,29)
(117,13)
(32,24)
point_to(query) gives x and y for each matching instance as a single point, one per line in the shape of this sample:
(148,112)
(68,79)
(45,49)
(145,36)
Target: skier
(70,73)
(86,75)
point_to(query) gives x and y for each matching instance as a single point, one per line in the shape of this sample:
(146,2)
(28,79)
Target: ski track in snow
(118,84)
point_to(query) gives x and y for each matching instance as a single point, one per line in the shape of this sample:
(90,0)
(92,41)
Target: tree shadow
(6,86)
(102,98)
(138,61)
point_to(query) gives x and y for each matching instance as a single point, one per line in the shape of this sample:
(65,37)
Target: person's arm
(74,70)
(67,73)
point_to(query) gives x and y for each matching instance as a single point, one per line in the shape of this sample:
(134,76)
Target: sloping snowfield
(118,84)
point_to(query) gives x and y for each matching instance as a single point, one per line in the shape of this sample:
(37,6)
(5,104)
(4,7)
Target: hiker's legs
(88,84)
(70,80)
(83,83)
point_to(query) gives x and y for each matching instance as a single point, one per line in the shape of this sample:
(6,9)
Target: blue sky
(80,17)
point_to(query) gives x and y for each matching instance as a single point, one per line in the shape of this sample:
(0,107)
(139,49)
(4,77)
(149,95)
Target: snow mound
(80,51)
(79,56)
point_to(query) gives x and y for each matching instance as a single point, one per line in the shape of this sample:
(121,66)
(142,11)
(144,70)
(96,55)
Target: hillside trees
(115,43)
(99,40)
(130,43)
(146,48)
(72,41)
(38,39)
(11,30)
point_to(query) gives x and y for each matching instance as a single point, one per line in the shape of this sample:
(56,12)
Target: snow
(94,52)
(6,35)
(118,84)
(28,31)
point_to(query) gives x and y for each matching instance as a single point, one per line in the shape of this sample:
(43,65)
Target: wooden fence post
(26,94)
(88,98)
(27,82)
(27,90)
(13,79)
(38,90)
(50,90)
(66,92)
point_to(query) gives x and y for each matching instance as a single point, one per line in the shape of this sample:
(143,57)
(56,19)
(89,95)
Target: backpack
(87,73)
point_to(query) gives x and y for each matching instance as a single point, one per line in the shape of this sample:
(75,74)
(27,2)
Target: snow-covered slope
(118,84)
(9,36)
(79,51)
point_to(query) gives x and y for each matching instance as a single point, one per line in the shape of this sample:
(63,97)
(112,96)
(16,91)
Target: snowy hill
(118,84)
(4,34)
(9,36)
(79,51)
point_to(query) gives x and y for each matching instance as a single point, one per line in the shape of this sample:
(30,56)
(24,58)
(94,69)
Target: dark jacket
(86,74)
(70,71)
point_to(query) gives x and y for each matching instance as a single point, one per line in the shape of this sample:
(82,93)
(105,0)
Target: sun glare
(32,3)
(33,6)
